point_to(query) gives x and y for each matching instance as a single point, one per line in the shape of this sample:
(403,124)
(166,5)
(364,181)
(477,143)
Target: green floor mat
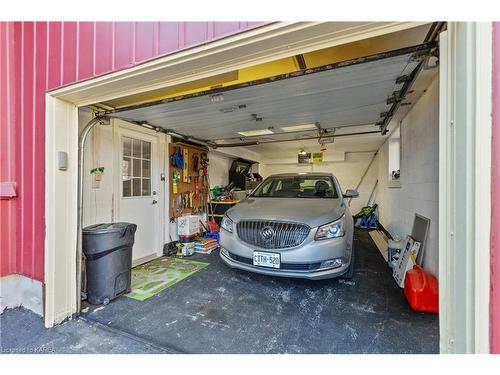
(151,278)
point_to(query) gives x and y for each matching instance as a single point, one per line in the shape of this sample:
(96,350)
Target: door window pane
(136,167)
(146,150)
(136,187)
(127,188)
(127,147)
(126,169)
(136,149)
(146,171)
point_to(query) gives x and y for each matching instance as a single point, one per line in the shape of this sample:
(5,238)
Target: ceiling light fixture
(214,98)
(295,128)
(251,133)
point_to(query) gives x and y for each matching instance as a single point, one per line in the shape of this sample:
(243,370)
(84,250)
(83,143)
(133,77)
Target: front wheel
(350,271)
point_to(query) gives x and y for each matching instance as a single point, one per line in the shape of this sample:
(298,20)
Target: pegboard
(190,181)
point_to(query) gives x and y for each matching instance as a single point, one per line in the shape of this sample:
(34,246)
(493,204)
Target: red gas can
(421,290)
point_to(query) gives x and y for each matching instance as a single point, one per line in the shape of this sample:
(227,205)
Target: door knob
(154,201)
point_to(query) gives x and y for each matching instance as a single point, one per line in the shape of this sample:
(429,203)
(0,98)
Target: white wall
(221,160)
(419,175)
(218,169)
(348,169)
(98,202)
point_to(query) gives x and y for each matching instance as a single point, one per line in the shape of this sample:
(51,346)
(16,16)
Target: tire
(350,271)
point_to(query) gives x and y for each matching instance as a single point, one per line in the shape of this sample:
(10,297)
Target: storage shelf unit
(217,209)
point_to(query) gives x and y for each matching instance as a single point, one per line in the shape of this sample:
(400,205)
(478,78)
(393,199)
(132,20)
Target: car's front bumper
(311,275)
(299,262)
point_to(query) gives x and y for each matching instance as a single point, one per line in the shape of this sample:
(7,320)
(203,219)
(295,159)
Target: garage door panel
(342,96)
(279,107)
(314,84)
(327,119)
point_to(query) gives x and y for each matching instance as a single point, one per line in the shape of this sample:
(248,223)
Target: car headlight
(227,224)
(331,230)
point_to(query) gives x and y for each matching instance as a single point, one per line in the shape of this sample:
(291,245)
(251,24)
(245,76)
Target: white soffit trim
(267,43)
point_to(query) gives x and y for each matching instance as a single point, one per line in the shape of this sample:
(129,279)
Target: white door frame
(464,187)
(278,40)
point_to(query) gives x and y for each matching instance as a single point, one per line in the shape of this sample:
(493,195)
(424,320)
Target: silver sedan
(292,225)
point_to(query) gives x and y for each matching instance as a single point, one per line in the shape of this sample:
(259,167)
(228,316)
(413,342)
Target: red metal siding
(40,56)
(495,199)
(8,207)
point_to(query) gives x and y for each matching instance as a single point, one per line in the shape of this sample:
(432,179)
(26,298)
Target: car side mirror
(350,193)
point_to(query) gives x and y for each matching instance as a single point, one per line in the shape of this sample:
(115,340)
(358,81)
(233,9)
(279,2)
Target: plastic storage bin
(108,251)
(393,251)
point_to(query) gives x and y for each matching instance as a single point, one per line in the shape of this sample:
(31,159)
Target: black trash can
(108,252)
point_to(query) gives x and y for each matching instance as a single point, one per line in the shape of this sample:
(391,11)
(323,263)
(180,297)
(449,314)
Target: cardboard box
(188,225)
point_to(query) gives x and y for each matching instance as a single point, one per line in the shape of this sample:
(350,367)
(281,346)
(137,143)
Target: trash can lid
(106,228)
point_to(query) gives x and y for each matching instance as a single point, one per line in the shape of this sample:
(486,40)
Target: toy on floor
(367,218)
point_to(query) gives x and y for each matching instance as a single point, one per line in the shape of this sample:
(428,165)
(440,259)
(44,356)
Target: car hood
(311,211)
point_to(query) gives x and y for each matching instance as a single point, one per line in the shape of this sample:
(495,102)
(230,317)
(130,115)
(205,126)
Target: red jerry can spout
(421,290)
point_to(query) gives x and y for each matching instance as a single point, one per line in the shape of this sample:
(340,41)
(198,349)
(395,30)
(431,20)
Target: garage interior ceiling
(344,98)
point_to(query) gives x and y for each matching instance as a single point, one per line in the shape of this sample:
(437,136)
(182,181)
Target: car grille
(283,266)
(272,234)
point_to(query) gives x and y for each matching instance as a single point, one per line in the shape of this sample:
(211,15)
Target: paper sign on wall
(317,157)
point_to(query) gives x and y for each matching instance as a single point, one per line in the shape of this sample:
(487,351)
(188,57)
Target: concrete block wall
(419,175)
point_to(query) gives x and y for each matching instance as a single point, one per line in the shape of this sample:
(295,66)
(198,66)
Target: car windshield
(297,187)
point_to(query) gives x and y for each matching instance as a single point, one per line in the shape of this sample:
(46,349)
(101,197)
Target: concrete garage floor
(221,310)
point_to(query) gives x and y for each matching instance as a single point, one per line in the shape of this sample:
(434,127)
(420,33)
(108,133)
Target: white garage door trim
(464,187)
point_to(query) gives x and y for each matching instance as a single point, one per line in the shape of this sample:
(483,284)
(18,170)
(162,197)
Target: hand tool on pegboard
(185,171)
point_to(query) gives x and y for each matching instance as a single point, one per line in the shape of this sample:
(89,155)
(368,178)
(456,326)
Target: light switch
(62,160)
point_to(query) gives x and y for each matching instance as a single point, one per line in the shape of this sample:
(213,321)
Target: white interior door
(139,199)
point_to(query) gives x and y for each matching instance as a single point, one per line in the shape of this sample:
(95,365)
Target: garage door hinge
(396,97)
(403,79)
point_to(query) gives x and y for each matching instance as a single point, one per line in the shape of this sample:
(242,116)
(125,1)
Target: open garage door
(364,92)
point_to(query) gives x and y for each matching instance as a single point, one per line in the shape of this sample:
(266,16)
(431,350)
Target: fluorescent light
(296,128)
(214,98)
(251,133)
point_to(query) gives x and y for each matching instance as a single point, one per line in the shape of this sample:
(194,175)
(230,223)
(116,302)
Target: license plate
(264,259)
